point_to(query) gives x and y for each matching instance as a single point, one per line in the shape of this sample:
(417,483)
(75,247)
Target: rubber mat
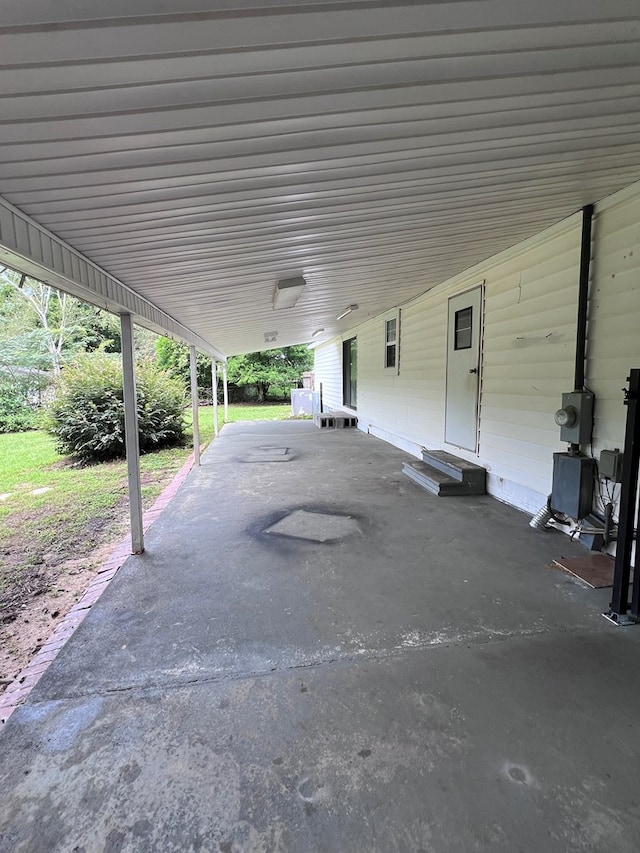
(596,570)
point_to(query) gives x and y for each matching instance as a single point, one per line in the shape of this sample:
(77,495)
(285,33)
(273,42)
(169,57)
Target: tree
(51,323)
(174,357)
(283,367)
(24,365)
(53,310)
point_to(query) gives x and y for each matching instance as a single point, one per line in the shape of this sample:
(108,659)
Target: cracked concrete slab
(427,684)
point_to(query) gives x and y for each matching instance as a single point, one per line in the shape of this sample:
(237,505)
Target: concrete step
(461,470)
(437,483)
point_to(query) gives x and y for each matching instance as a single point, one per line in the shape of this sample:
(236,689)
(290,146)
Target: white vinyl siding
(528,352)
(328,373)
(613,333)
(528,361)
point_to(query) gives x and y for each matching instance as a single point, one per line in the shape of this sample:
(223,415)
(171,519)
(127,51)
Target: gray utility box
(572,489)
(611,465)
(576,424)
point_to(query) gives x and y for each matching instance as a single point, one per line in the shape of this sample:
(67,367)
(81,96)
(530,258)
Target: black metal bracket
(618,612)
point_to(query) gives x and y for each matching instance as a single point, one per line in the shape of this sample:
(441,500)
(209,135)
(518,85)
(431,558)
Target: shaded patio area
(314,654)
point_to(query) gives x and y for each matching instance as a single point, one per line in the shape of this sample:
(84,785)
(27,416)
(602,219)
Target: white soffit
(199,152)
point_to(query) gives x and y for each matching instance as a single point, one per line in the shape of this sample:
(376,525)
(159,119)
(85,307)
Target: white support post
(132,440)
(194,404)
(225,389)
(214,384)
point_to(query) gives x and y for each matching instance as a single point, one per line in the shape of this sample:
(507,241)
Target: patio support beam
(214,384)
(193,364)
(132,440)
(225,388)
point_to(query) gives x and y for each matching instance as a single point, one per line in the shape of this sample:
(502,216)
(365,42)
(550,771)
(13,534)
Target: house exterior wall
(528,352)
(328,373)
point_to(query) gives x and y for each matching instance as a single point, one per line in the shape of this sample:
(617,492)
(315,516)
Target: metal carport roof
(198,152)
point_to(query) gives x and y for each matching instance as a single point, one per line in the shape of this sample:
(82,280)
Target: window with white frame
(391,342)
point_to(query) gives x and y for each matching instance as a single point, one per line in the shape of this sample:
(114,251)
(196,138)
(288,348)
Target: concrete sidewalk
(315,655)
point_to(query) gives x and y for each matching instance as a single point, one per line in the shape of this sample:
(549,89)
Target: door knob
(473,370)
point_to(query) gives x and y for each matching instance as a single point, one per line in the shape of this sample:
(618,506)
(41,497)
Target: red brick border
(19,689)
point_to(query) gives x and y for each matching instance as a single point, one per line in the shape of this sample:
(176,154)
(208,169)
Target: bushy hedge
(16,415)
(87,415)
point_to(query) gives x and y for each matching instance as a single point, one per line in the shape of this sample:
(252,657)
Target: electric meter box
(575,418)
(572,488)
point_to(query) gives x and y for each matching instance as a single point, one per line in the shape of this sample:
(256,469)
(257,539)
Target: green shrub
(87,415)
(16,415)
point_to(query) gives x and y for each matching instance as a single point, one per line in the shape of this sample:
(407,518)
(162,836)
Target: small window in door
(463,328)
(390,342)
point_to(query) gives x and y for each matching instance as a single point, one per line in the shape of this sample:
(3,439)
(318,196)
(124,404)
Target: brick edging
(26,680)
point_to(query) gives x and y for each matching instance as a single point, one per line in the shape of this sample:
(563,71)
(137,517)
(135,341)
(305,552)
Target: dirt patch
(50,555)
(38,610)
(23,589)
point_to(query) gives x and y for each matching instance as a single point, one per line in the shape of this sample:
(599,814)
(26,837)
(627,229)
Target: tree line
(44,332)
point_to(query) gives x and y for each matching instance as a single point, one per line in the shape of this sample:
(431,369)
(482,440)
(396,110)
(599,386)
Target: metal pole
(225,389)
(194,404)
(635,594)
(583,296)
(214,383)
(132,440)
(620,598)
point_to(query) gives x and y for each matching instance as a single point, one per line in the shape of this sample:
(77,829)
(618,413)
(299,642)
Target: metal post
(225,389)
(635,596)
(620,598)
(214,383)
(194,404)
(583,296)
(132,441)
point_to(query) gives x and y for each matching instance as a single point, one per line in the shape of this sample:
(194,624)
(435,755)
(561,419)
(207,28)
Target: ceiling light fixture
(316,333)
(346,311)
(287,292)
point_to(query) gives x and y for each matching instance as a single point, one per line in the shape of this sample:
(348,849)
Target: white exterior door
(463,369)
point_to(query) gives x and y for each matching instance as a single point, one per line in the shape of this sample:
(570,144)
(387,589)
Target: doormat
(596,570)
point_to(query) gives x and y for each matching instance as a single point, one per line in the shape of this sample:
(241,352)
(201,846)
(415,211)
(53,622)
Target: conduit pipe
(541,519)
(583,296)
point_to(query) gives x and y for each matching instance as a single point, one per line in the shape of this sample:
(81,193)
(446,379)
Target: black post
(635,597)
(620,600)
(583,296)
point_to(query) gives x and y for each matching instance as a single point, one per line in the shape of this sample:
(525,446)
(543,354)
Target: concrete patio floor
(315,655)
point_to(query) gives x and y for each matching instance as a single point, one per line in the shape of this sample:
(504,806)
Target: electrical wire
(554,515)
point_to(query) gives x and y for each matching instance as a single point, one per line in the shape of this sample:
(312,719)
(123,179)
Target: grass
(80,508)
(242,412)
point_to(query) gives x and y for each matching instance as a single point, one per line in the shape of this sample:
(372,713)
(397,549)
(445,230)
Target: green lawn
(241,412)
(78,509)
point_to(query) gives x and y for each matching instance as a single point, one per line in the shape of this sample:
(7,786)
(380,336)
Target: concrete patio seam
(366,655)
